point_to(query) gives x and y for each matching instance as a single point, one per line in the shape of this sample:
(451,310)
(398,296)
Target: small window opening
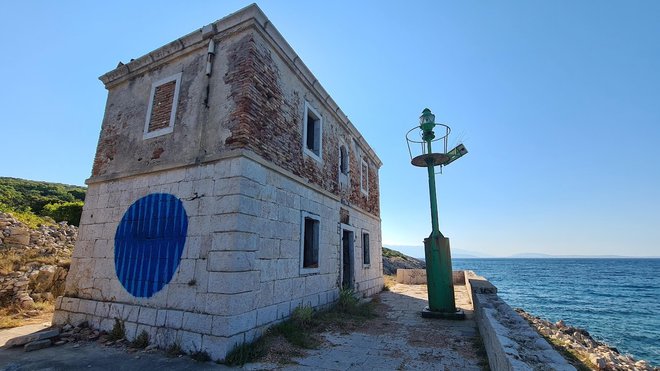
(365,249)
(311,243)
(312,132)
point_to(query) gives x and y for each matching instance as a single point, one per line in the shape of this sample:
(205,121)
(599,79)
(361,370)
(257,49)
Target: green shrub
(118,331)
(303,316)
(30,195)
(141,341)
(200,356)
(67,211)
(174,350)
(26,217)
(245,352)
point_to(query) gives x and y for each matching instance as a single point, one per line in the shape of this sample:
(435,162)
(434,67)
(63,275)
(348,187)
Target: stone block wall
(509,340)
(240,268)
(224,189)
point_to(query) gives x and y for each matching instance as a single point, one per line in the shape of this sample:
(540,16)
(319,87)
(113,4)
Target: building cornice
(248,17)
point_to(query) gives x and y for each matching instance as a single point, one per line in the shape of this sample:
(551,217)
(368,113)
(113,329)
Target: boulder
(18,236)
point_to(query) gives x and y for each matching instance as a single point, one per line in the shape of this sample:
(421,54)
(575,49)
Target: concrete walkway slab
(10,333)
(400,339)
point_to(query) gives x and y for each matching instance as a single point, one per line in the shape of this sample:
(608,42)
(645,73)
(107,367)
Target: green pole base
(439,280)
(458,315)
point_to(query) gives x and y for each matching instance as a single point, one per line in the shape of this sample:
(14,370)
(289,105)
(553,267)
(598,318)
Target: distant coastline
(418,252)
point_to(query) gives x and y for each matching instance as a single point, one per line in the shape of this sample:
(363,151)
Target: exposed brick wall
(106,149)
(270,124)
(161,108)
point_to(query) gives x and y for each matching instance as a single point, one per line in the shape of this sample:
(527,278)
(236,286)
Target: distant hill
(418,252)
(393,260)
(58,201)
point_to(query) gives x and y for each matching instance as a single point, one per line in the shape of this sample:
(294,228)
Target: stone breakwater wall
(509,340)
(586,348)
(30,257)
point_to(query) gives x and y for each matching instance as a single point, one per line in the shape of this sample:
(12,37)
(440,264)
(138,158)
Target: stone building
(228,188)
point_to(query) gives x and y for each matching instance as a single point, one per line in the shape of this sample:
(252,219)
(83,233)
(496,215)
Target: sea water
(616,300)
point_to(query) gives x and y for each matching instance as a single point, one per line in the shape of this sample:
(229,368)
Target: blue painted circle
(149,242)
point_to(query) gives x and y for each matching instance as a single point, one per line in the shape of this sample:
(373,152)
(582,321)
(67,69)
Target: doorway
(347,266)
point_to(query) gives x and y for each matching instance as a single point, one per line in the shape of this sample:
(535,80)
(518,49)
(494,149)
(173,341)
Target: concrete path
(10,333)
(400,339)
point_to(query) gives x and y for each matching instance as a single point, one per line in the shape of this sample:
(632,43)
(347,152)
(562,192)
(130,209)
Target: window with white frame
(309,243)
(364,177)
(366,258)
(161,111)
(312,132)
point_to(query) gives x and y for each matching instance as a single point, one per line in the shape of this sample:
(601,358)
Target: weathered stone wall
(254,99)
(269,98)
(510,342)
(240,269)
(235,164)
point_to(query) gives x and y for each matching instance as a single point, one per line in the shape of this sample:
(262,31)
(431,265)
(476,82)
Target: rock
(18,236)
(22,340)
(151,347)
(67,327)
(36,345)
(599,362)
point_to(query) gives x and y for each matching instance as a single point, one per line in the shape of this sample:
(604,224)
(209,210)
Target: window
(309,254)
(343,160)
(312,129)
(366,258)
(364,178)
(161,111)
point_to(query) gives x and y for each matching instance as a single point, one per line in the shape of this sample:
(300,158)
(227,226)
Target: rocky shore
(33,262)
(589,351)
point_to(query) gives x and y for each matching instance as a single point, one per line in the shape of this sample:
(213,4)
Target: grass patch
(7,319)
(11,261)
(389,281)
(301,331)
(246,353)
(141,341)
(200,356)
(118,331)
(174,350)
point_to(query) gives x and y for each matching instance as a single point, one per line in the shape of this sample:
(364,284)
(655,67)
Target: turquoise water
(616,300)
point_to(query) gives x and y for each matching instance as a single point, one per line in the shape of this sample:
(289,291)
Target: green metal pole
(436,247)
(434,202)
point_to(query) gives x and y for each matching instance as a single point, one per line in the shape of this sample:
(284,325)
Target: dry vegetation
(290,338)
(14,315)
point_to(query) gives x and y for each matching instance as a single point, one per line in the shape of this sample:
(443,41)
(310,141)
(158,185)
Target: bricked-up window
(310,240)
(364,177)
(312,132)
(161,111)
(366,258)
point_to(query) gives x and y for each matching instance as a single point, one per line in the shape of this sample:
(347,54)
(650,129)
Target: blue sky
(558,103)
